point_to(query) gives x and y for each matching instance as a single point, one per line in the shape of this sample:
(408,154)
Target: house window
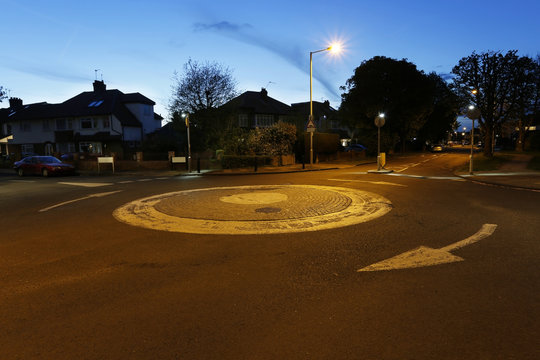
(27,149)
(64,148)
(262,120)
(88,124)
(24,126)
(243,120)
(64,124)
(106,123)
(90,147)
(46,125)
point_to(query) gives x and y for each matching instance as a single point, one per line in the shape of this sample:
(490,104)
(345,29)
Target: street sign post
(311,129)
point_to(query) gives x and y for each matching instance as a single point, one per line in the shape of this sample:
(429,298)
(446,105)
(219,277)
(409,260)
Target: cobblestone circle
(299,203)
(263,209)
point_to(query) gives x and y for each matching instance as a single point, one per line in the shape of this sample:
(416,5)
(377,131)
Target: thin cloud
(245,33)
(42,71)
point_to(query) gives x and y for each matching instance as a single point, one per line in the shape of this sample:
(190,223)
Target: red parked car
(42,165)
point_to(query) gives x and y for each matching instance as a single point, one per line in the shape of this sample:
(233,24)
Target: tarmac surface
(514,174)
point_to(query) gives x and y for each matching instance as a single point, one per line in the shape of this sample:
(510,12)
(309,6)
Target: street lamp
(186,116)
(379,121)
(472,114)
(334,48)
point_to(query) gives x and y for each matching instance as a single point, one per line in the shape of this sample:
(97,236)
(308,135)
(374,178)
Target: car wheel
(20,172)
(45,172)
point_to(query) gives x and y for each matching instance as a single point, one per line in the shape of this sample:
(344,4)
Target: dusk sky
(51,49)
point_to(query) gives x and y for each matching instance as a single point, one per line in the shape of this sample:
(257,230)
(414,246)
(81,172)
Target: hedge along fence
(242,161)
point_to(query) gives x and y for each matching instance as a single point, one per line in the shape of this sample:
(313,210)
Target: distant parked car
(437,148)
(355,147)
(42,165)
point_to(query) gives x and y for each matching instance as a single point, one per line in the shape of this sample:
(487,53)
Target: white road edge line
(79,199)
(369,182)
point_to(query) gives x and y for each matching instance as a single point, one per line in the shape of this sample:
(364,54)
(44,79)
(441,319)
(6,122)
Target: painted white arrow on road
(425,256)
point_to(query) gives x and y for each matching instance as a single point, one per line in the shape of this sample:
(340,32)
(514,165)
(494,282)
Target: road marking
(79,199)
(126,182)
(90,185)
(370,182)
(141,180)
(23,181)
(163,178)
(243,214)
(455,178)
(425,256)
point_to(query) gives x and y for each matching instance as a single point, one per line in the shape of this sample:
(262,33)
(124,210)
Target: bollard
(198,165)
(303,162)
(255,164)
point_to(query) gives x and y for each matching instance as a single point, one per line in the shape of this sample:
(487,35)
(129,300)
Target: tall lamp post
(379,121)
(335,49)
(186,116)
(472,114)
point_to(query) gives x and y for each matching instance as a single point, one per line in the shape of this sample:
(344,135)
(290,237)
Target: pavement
(513,174)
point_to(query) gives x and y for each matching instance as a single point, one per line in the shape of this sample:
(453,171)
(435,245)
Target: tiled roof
(258,102)
(89,103)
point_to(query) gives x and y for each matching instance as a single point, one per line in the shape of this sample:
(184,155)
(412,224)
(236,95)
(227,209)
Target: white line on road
(141,180)
(370,182)
(79,199)
(92,184)
(425,256)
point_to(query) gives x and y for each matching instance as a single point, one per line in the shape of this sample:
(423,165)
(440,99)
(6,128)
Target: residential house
(254,109)
(325,117)
(97,122)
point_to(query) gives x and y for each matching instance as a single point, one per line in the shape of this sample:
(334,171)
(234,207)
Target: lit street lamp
(379,121)
(335,48)
(186,116)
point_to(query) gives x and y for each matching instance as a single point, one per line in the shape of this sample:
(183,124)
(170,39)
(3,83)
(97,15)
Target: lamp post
(186,116)
(472,114)
(379,121)
(334,48)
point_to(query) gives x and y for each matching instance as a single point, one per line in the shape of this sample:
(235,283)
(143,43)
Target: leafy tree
(498,80)
(442,118)
(275,140)
(394,87)
(526,96)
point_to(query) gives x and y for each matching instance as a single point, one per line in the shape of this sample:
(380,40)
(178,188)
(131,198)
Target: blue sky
(50,49)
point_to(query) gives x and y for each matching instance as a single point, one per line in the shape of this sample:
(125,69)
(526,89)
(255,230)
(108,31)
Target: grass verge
(482,163)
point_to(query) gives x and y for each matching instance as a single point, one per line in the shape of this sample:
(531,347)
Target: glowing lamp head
(335,48)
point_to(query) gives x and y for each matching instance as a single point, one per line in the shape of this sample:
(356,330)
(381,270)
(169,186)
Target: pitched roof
(89,103)
(258,102)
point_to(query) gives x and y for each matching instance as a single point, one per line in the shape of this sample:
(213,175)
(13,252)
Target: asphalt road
(77,283)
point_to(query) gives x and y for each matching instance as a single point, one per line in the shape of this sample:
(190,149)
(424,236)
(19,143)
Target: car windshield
(48,160)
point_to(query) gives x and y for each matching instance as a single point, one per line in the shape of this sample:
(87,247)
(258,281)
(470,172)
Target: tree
(202,86)
(2,93)
(394,87)
(498,83)
(278,139)
(442,118)
(199,91)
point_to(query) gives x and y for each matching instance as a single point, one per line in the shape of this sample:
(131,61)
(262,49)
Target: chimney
(264,93)
(15,103)
(99,86)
